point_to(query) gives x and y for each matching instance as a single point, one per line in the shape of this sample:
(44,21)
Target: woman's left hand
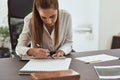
(59,53)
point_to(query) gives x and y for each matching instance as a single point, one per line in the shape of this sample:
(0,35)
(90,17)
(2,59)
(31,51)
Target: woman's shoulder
(64,12)
(28,17)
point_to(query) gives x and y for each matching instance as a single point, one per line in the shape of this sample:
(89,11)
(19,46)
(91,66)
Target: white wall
(109,22)
(104,14)
(3,13)
(85,13)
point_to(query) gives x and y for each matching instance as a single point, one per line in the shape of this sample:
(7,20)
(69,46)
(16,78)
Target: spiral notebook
(40,65)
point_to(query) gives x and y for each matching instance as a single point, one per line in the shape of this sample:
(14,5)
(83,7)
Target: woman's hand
(59,53)
(38,52)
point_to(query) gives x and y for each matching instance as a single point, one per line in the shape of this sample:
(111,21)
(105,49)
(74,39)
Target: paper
(108,72)
(35,65)
(26,57)
(97,58)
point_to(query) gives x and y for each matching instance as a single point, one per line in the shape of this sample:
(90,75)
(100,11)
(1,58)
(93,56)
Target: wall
(109,22)
(4,22)
(3,13)
(85,13)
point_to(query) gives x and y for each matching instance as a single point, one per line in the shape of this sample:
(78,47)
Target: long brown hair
(37,23)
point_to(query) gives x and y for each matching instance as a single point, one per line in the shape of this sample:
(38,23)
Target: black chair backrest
(17,10)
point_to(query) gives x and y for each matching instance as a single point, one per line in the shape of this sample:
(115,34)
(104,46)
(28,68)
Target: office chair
(17,10)
(115,42)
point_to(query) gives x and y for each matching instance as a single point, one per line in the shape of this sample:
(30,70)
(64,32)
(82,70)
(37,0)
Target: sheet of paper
(35,65)
(26,57)
(97,58)
(108,72)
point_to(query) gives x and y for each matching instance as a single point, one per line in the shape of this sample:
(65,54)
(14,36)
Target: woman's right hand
(38,52)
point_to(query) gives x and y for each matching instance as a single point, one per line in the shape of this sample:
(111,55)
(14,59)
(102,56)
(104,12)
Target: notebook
(97,58)
(26,57)
(40,65)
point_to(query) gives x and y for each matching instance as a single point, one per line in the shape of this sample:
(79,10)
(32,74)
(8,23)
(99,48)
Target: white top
(65,35)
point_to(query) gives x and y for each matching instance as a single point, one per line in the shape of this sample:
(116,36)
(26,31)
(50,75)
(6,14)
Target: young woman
(48,29)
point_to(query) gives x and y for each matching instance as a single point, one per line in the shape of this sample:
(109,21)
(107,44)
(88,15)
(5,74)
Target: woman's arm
(66,33)
(25,37)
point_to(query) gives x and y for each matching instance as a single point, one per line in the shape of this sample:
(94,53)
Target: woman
(48,29)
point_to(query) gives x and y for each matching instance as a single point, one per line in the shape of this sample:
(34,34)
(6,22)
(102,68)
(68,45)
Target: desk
(9,67)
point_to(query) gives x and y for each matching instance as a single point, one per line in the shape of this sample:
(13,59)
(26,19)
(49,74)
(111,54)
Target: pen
(51,53)
(96,61)
(51,56)
(38,45)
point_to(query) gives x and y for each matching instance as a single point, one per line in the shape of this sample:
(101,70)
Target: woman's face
(48,16)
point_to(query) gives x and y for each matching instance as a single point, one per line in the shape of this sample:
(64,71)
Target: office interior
(94,22)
